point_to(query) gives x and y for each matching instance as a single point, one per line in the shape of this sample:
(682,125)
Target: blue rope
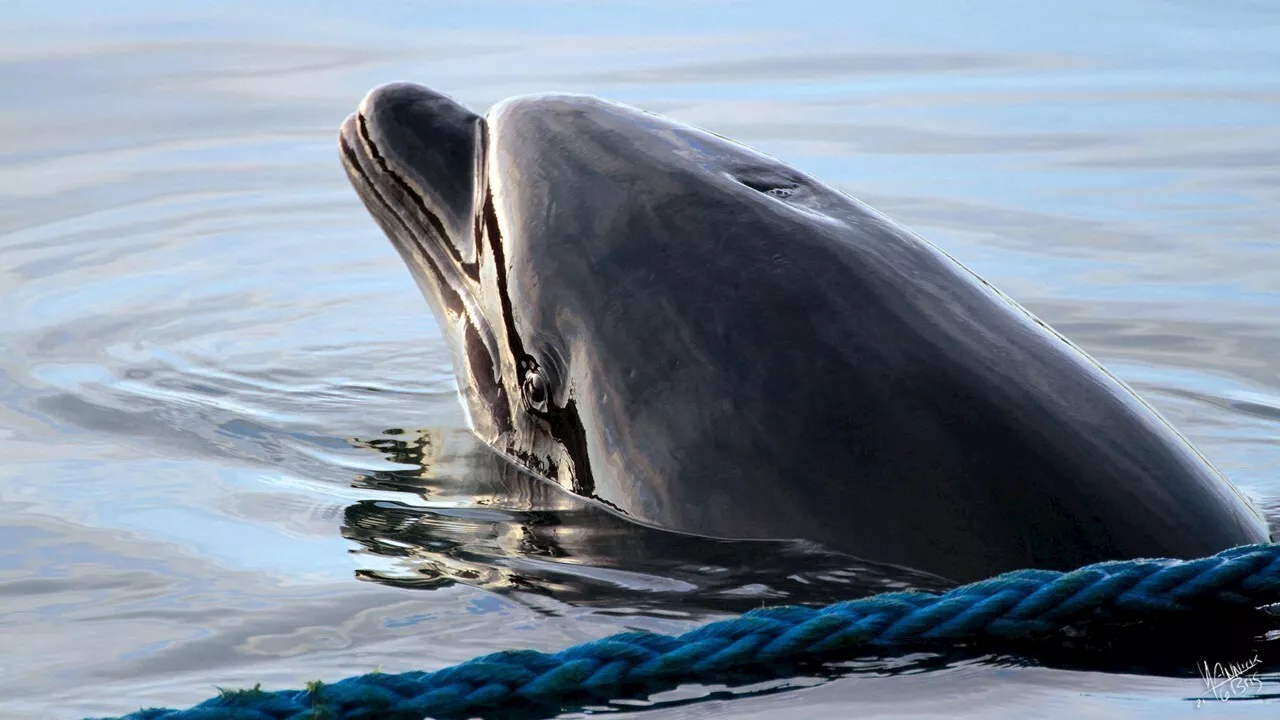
(1019,605)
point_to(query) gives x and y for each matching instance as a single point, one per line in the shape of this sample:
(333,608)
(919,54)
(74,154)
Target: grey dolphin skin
(711,341)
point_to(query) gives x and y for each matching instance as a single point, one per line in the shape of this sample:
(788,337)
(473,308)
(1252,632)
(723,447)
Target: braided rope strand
(1019,605)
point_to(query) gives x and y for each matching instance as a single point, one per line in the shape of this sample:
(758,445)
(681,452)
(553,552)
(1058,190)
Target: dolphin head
(707,339)
(574,252)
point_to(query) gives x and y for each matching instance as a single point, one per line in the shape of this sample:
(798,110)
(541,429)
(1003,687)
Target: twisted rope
(1019,605)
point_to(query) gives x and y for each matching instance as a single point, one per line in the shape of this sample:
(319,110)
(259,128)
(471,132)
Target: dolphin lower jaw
(445,285)
(468,297)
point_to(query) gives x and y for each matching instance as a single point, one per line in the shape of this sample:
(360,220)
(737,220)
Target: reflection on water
(499,528)
(196,315)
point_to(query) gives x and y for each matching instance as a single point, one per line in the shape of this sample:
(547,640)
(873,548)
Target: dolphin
(708,340)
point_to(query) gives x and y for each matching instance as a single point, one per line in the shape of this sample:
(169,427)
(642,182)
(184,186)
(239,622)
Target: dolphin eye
(534,388)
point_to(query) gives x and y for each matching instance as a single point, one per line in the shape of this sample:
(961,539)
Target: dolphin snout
(428,144)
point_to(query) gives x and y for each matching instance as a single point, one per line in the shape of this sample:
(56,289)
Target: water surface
(230,448)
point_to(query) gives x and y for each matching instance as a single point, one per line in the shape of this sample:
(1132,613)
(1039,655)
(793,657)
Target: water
(204,337)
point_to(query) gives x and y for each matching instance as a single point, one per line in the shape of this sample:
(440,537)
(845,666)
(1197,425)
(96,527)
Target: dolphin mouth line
(355,157)
(375,180)
(382,163)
